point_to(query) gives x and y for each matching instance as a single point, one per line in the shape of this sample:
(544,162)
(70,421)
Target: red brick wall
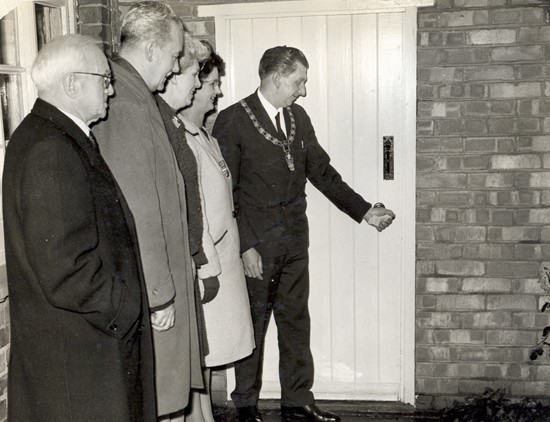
(483,160)
(99,19)
(4,353)
(202,28)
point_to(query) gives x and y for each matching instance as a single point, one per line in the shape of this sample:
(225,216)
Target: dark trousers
(284,291)
(132,370)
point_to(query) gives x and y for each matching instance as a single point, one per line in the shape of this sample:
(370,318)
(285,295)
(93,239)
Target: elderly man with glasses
(81,347)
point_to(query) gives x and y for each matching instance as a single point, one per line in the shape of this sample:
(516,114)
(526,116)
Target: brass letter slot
(388,157)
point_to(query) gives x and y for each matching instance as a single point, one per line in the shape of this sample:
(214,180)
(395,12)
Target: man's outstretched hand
(379,217)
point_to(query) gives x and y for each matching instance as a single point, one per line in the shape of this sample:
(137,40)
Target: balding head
(71,73)
(60,56)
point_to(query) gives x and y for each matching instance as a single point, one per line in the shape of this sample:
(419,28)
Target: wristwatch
(379,205)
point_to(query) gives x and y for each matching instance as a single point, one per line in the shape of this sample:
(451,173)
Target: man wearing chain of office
(271,149)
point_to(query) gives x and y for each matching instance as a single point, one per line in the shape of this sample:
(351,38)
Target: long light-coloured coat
(228,321)
(135,145)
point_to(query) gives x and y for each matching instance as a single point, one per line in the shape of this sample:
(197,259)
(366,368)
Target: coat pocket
(221,238)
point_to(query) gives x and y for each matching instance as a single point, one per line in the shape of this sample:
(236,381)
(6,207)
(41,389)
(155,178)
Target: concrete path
(348,415)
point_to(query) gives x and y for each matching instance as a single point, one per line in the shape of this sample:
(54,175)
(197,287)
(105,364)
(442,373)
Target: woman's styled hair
(193,49)
(214,61)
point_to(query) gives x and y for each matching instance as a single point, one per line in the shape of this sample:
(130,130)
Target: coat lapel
(71,129)
(287,120)
(205,143)
(63,122)
(132,81)
(122,69)
(174,126)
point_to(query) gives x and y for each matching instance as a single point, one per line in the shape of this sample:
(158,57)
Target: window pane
(8,41)
(10,92)
(48,23)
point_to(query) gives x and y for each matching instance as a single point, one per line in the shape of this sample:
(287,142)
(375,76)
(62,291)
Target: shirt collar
(189,126)
(271,111)
(79,122)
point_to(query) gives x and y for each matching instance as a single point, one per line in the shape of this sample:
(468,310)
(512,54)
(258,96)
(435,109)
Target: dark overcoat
(270,200)
(79,321)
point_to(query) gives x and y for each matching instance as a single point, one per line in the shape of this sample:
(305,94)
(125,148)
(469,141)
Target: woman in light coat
(228,321)
(229,333)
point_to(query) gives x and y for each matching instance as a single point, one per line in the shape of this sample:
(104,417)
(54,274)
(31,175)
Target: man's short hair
(146,21)
(60,56)
(281,59)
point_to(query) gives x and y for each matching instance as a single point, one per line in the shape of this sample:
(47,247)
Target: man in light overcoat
(135,145)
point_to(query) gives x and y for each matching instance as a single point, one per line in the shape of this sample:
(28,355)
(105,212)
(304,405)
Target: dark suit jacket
(79,320)
(269,198)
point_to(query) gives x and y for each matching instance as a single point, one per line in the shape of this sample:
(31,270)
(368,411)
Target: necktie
(93,141)
(279,129)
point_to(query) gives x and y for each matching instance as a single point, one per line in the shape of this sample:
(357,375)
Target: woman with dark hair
(228,322)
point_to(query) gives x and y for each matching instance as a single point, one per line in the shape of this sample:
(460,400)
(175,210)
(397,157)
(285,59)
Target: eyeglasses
(106,78)
(215,83)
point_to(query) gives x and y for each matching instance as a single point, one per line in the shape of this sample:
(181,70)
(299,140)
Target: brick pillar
(4,353)
(99,19)
(483,193)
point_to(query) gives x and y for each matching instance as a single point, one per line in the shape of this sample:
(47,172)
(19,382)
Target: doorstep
(354,409)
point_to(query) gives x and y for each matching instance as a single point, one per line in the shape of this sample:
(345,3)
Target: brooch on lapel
(223,167)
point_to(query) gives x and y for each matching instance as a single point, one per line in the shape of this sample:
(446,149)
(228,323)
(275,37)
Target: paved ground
(360,418)
(349,412)
(345,419)
(369,418)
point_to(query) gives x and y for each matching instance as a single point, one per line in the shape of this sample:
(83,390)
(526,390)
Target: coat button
(113,327)
(155,292)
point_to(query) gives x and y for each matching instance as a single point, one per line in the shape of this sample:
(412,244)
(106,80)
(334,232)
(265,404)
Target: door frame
(223,14)
(26,36)
(27,46)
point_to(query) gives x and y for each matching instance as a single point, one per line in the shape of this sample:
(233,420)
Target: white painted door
(361,88)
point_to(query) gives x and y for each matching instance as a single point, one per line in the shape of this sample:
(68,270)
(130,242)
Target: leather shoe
(310,413)
(248,414)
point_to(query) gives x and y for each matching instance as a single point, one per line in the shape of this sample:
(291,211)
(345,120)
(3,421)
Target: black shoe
(310,413)
(248,414)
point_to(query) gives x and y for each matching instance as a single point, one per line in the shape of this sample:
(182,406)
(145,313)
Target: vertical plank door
(361,88)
